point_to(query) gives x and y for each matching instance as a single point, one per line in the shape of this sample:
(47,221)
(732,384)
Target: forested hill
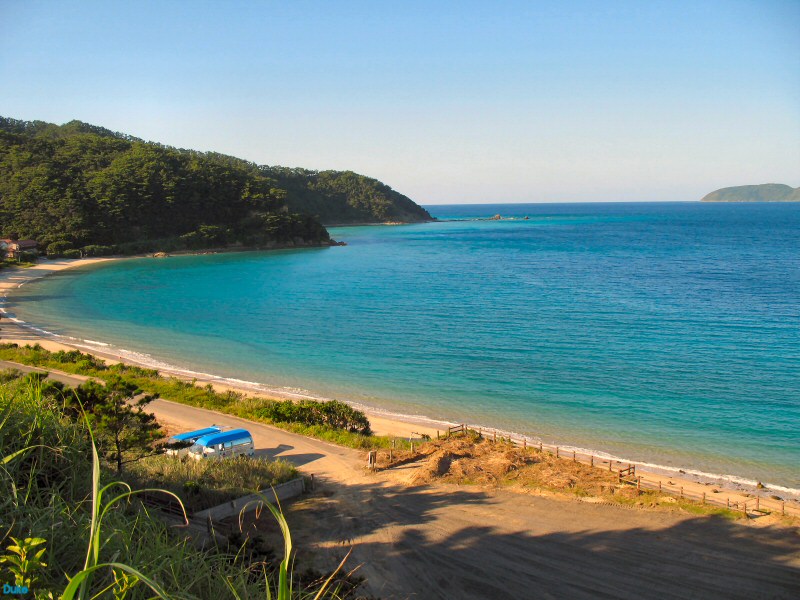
(341,197)
(78,185)
(766,192)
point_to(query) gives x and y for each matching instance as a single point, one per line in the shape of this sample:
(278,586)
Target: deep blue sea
(666,333)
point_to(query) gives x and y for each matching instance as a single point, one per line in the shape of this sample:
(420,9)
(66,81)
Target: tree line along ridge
(82,188)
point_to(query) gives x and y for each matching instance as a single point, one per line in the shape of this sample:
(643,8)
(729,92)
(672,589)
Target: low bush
(202,484)
(312,412)
(57,249)
(96,250)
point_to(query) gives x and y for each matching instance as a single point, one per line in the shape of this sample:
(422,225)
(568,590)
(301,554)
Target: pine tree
(125,432)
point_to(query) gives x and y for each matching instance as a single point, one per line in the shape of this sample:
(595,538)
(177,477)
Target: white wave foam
(102,344)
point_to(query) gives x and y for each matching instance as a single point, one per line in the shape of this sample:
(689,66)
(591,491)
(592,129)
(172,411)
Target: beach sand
(382,424)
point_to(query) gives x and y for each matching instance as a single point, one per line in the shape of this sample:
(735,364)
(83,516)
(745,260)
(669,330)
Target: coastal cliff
(79,189)
(766,192)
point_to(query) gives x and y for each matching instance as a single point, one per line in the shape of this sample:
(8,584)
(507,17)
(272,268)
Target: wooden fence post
(681,491)
(729,502)
(704,497)
(783,507)
(573,457)
(744,508)
(609,464)
(540,446)
(591,460)
(639,484)
(437,434)
(557,452)
(524,444)
(494,436)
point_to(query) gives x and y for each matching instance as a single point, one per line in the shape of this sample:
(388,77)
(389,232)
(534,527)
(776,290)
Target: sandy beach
(382,424)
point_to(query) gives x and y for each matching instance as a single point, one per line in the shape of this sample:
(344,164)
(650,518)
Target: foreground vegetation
(71,530)
(202,484)
(82,190)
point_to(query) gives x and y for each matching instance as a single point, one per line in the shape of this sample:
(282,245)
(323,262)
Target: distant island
(766,192)
(82,190)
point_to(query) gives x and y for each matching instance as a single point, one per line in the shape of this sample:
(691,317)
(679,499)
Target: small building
(15,248)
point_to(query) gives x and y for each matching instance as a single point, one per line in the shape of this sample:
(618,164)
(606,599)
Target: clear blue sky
(462,102)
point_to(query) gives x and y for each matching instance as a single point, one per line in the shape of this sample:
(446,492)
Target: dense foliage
(343,197)
(312,412)
(81,187)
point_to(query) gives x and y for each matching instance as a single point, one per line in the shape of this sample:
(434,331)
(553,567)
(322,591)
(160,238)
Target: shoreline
(13,330)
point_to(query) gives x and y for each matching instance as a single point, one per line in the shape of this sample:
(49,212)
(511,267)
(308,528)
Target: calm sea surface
(665,333)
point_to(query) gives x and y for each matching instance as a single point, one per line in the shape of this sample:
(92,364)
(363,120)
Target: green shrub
(77,357)
(206,236)
(28,257)
(202,484)
(96,250)
(58,248)
(71,254)
(7,375)
(312,412)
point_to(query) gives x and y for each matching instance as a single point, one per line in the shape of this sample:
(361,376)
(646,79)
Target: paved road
(65,378)
(326,461)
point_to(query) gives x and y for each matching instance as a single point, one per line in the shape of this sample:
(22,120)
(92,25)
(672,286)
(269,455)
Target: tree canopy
(80,186)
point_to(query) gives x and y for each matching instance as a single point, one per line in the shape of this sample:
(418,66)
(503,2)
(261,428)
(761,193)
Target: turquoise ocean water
(664,333)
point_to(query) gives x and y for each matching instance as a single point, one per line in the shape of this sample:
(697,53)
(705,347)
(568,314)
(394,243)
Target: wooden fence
(754,505)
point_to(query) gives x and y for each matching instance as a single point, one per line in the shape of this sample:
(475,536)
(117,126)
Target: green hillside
(82,186)
(767,192)
(341,197)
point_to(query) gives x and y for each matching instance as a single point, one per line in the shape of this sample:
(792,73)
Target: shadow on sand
(461,542)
